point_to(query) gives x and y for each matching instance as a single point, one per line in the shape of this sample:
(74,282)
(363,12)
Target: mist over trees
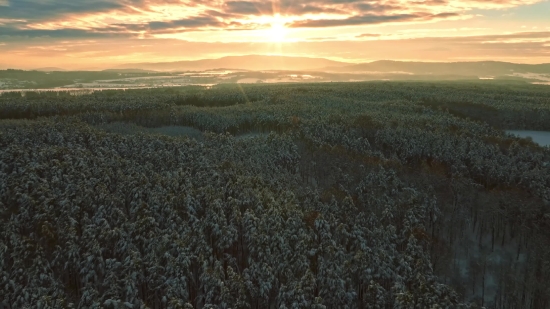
(333,195)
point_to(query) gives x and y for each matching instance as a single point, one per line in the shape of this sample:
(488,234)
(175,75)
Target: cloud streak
(370,19)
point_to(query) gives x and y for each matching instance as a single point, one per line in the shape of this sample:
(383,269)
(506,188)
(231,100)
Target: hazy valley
(267,69)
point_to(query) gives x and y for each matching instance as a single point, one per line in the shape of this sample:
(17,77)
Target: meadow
(321,195)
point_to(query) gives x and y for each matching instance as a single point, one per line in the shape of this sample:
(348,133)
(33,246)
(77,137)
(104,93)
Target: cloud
(370,19)
(368,35)
(287,8)
(11,21)
(194,22)
(148,18)
(350,21)
(248,8)
(47,9)
(13,33)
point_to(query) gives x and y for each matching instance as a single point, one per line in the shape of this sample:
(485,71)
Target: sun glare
(277,33)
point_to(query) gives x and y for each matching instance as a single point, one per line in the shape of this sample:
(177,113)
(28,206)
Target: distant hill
(250,62)
(129,71)
(481,68)
(285,63)
(50,69)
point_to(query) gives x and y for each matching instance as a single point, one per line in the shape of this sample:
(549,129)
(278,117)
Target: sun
(278,31)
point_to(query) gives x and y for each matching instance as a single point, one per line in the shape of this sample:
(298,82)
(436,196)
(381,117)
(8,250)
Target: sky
(98,34)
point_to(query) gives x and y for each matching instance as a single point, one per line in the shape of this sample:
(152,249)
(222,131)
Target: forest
(323,195)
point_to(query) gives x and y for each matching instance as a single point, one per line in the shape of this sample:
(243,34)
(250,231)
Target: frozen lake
(540,137)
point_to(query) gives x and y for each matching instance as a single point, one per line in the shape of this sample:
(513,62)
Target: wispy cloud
(12,21)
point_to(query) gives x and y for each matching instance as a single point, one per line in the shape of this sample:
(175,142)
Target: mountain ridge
(495,68)
(481,69)
(50,69)
(246,62)
(288,63)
